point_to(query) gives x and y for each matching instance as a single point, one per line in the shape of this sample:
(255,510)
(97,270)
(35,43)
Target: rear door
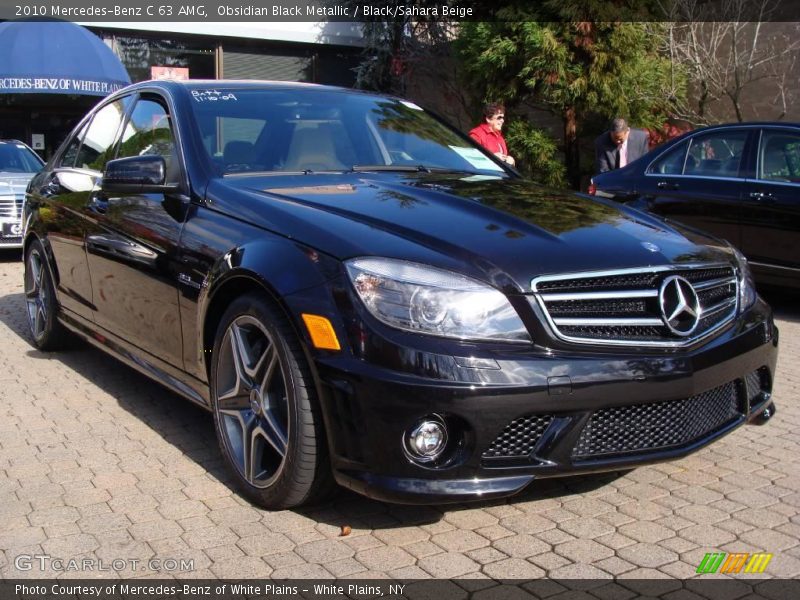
(699,182)
(63,198)
(771,207)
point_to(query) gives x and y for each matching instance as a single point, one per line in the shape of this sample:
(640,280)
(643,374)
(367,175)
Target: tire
(41,304)
(266,411)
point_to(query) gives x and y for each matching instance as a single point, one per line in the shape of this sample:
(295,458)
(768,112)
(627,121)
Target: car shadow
(785,303)
(190,429)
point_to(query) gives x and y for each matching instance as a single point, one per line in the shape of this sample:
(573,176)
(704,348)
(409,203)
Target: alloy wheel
(252,401)
(37,297)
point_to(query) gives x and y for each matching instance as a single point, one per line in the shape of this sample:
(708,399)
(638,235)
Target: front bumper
(10,233)
(538,413)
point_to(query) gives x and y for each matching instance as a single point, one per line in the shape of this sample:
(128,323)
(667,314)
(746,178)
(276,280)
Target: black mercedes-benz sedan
(739,181)
(360,294)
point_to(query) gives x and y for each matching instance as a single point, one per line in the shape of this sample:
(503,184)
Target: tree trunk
(571,150)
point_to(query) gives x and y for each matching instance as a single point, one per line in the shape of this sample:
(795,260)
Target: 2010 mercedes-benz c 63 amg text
(359,293)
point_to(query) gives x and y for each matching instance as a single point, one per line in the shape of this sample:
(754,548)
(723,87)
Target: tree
(553,55)
(731,56)
(395,46)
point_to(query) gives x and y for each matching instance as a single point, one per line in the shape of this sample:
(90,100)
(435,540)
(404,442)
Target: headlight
(428,300)
(747,285)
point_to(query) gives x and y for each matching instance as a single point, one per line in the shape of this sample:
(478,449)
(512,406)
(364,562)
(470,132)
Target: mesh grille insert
(519,437)
(625,429)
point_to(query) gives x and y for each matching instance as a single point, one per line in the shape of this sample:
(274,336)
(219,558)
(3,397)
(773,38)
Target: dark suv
(359,293)
(740,182)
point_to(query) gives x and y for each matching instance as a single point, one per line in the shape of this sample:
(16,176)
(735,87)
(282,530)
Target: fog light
(427,441)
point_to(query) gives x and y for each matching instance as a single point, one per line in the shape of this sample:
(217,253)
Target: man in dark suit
(619,146)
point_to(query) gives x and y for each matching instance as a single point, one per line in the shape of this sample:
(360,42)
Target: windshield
(258,130)
(17,158)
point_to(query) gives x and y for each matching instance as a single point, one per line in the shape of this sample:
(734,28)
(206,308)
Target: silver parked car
(18,165)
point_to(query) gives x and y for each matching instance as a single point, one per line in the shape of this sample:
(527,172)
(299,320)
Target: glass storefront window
(138,54)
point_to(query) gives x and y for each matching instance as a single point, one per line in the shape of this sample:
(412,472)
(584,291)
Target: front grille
(659,425)
(10,206)
(624,307)
(519,437)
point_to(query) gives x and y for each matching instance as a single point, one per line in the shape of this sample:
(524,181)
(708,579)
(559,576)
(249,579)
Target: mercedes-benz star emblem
(680,306)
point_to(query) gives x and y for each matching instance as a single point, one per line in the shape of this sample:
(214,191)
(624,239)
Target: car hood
(506,231)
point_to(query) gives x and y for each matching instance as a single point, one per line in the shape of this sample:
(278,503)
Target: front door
(132,248)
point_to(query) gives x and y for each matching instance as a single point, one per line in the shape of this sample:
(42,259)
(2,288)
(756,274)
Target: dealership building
(55,70)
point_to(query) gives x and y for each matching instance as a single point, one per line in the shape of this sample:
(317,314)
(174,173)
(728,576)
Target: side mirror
(136,174)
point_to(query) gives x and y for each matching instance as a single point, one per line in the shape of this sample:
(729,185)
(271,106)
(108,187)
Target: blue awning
(57,57)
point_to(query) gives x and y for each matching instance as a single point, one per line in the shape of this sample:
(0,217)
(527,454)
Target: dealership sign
(60,85)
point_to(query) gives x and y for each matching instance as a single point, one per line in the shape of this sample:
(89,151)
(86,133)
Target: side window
(779,158)
(149,132)
(717,154)
(71,153)
(671,163)
(98,143)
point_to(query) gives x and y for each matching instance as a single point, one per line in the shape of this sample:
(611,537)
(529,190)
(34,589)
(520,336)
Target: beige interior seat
(312,148)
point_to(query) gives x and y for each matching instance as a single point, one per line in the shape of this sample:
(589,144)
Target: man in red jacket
(488,135)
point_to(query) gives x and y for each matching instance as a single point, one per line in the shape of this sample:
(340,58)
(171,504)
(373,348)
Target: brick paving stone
(486,555)
(707,535)
(448,565)
(155,530)
(209,537)
(323,551)
(494,532)
(423,549)
(471,519)
(512,568)
(70,546)
(644,510)
(644,531)
(347,567)
(263,544)
(385,558)
(522,546)
(527,524)
(614,565)
(769,540)
(460,541)
(243,567)
(647,555)
(583,551)
(586,527)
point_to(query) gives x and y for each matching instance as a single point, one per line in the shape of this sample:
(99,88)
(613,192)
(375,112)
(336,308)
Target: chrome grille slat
(623,307)
(707,285)
(712,310)
(600,295)
(609,322)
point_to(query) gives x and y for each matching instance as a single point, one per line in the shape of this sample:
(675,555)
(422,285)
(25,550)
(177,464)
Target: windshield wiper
(408,169)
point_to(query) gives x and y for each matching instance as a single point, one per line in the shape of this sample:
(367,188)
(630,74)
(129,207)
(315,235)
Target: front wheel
(40,301)
(265,407)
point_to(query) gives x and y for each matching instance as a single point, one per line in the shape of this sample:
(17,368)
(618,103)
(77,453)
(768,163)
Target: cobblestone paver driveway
(96,461)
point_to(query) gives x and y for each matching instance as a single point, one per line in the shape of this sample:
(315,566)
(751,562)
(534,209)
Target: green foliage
(536,153)
(611,69)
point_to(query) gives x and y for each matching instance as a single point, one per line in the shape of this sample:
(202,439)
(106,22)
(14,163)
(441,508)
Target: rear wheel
(265,407)
(40,301)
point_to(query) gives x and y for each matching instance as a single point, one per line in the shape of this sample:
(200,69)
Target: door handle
(667,185)
(762,196)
